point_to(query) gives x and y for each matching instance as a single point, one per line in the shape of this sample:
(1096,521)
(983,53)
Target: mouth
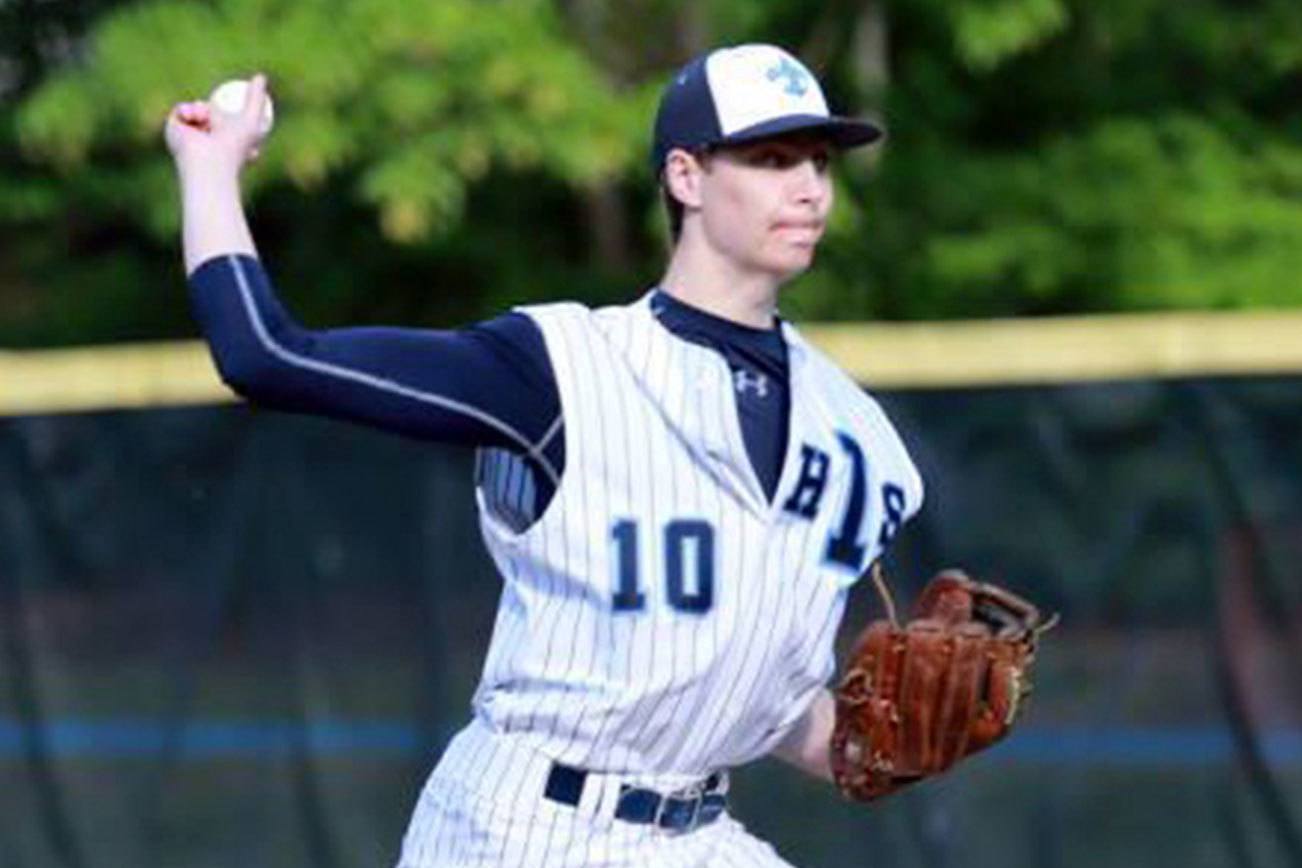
(800,231)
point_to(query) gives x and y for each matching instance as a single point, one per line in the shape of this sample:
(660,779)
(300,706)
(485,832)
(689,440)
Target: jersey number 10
(689,566)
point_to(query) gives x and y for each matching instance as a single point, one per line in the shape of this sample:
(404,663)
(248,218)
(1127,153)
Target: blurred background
(228,636)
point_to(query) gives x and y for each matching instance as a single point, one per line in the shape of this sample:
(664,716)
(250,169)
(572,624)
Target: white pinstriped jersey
(662,616)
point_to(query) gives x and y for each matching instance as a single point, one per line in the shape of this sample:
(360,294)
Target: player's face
(764,205)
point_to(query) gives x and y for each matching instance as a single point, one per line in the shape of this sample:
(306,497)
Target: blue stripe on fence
(208,738)
(125,737)
(1183,746)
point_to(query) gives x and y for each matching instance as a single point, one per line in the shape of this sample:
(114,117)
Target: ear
(682,177)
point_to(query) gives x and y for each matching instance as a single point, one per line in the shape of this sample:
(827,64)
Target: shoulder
(831,377)
(511,341)
(851,399)
(571,320)
(555,311)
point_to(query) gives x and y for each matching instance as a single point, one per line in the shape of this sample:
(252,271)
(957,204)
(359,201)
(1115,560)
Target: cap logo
(797,78)
(752,85)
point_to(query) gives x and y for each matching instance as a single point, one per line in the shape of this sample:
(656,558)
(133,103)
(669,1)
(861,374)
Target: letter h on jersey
(805,499)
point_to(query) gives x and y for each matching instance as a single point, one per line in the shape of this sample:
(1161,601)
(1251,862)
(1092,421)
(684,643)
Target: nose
(809,184)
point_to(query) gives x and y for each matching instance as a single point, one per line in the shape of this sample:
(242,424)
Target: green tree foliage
(1051,157)
(390,111)
(418,100)
(436,160)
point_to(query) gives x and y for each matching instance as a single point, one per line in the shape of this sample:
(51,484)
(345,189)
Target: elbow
(259,364)
(251,375)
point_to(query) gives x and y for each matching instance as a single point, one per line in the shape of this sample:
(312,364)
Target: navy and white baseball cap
(744,93)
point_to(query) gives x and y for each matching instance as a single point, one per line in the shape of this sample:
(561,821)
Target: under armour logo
(797,78)
(743,379)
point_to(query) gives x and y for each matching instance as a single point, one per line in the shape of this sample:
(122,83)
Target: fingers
(255,100)
(203,131)
(195,114)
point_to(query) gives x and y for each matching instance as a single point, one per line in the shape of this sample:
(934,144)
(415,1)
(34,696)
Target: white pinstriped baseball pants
(483,806)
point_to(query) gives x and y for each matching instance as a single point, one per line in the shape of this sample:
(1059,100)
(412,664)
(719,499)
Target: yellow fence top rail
(112,377)
(1065,349)
(880,355)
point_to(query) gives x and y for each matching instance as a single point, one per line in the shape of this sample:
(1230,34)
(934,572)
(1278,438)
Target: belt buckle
(697,802)
(694,793)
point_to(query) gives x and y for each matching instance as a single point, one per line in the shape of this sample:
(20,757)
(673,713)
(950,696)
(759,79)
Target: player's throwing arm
(211,142)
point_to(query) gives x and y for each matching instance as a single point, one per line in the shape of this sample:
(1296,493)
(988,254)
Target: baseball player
(678,492)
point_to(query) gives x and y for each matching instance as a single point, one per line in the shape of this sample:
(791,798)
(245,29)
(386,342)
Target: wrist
(807,744)
(208,172)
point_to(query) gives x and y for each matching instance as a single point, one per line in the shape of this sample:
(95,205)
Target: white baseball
(229,97)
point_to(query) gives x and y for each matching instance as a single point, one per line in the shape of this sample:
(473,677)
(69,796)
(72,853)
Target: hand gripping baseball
(916,699)
(201,134)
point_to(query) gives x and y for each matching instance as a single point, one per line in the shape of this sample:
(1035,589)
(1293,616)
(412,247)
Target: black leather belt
(679,811)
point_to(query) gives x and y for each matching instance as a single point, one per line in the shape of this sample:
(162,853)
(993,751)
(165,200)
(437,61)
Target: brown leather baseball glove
(916,699)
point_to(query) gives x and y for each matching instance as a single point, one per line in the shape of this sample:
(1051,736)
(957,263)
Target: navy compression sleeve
(489,384)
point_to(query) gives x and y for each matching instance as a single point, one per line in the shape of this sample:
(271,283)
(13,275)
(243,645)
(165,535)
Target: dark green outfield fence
(232,638)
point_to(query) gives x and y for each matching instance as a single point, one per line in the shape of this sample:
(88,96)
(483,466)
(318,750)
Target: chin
(792,265)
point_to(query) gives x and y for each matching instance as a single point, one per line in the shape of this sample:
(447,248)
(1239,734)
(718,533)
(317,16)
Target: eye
(770,158)
(779,158)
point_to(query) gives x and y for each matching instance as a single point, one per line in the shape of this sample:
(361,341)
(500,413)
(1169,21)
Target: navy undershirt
(758,360)
(489,384)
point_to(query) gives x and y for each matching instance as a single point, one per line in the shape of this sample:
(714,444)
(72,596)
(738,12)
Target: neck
(712,284)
